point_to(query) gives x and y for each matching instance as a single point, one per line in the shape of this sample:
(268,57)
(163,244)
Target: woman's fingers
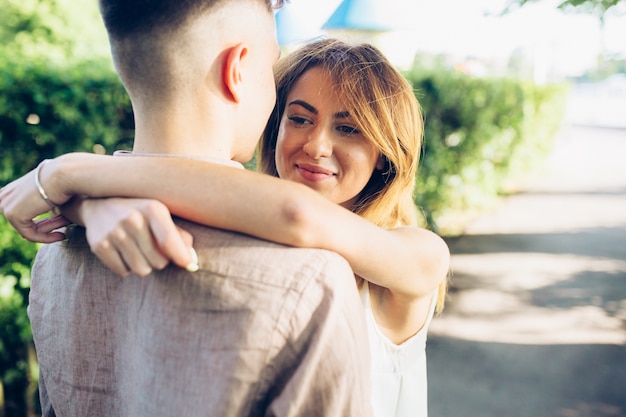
(46,230)
(119,236)
(42,231)
(144,237)
(131,253)
(123,253)
(173,242)
(110,257)
(138,227)
(51,224)
(136,235)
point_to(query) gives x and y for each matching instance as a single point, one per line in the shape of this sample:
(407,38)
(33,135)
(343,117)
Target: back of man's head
(159,47)
(198,65)
(123,18)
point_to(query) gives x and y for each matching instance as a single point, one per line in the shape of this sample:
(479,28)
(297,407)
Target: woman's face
(318,144)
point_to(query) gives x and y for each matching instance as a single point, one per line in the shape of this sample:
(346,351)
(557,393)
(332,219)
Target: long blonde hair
(384,107)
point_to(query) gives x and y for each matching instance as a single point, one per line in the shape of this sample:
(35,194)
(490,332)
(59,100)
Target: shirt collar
(221,161)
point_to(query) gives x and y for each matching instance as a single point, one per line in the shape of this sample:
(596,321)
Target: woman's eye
(348,130)
(298,120)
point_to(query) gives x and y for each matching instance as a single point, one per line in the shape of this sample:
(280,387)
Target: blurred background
(500,36)
(522,173)
(546,41)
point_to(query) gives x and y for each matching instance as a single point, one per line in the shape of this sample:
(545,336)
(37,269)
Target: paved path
(536,321)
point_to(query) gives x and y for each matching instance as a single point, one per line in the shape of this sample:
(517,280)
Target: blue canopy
(367,15)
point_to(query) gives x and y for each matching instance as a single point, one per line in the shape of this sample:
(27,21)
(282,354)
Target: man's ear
(232,74)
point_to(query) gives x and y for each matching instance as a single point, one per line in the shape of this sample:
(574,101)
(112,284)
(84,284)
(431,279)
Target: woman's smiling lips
(313,172)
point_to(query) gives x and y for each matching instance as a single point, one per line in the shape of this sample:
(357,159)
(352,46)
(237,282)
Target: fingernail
(193,265)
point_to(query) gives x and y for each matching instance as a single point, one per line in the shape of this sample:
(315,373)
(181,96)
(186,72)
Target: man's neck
(180,133)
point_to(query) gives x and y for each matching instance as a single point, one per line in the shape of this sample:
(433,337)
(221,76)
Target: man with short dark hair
(260,329)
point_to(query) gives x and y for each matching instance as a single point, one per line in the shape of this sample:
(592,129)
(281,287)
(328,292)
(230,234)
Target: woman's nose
(318,144)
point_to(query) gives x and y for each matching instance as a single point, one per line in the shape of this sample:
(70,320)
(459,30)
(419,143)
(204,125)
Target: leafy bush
(47,111)
(478,134)
(58,32)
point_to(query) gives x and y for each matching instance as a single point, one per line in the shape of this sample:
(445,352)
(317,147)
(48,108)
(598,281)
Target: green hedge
(479,134)
(47,111)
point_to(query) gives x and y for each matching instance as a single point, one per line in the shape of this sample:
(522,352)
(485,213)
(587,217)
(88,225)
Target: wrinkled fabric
(259,330)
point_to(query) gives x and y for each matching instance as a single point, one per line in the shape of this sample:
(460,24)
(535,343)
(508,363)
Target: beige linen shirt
(260,330)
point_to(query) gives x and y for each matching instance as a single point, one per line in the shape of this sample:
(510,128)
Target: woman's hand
(21,202)
(131,235)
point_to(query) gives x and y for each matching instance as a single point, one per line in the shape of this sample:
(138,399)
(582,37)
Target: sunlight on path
(548,266)
(535,299)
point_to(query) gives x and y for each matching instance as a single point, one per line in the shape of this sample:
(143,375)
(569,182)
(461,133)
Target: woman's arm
(408,261)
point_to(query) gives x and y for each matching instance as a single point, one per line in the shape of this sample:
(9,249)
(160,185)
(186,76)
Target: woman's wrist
(56,178)
(42,192)
(74,209)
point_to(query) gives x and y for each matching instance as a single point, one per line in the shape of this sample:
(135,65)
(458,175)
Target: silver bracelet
(42,192)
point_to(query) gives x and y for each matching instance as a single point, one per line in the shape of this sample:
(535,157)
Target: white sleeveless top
(399,384)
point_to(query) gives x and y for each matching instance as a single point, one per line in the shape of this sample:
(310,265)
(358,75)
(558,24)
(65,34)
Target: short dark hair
(126,17)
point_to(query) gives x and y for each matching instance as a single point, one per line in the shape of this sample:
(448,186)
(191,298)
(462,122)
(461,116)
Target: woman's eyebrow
(305,105)
(312,109)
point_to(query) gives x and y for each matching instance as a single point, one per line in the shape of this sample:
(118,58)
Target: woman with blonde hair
(346,133)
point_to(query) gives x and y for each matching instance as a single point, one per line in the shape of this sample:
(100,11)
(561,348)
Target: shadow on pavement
(605,242)
(479,379)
